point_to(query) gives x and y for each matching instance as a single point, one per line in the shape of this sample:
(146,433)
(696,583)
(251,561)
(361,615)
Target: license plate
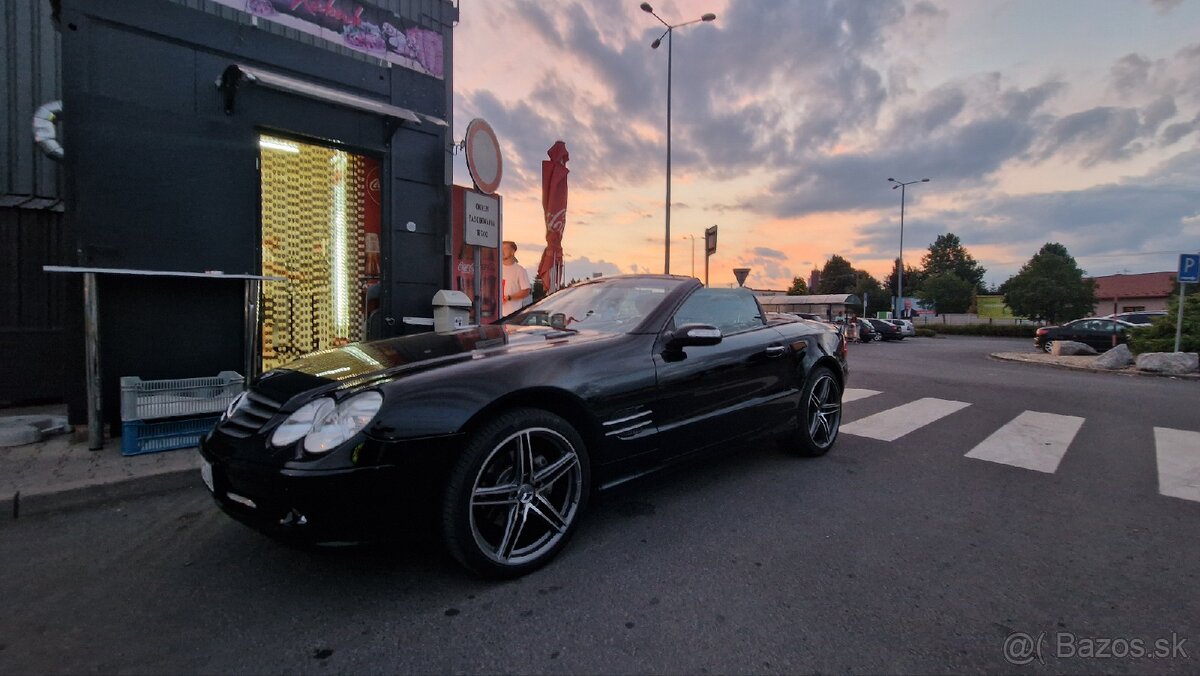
(206,474)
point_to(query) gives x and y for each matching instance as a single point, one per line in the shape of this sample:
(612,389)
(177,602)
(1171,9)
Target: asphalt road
(901,556)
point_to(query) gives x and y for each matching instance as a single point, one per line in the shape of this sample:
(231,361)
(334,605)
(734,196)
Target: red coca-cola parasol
(554,204)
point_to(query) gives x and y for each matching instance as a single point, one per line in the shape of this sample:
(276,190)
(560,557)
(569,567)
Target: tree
(837,276)
(948,292)
(799,287)
(538,289)
(947,254)
(912,278)
(876,297)
(1050,286)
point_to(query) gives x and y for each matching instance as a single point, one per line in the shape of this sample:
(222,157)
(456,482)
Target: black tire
(499,519)
(877,337)
(821,398)
(1047,346)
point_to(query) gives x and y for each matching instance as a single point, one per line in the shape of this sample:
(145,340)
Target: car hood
(391,357)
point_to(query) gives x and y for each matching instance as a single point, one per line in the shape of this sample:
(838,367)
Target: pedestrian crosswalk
(1033,440)
(896,422)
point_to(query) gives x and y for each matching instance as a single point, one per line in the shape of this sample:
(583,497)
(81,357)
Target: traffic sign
(1189,268)
(710,240)
(740,274)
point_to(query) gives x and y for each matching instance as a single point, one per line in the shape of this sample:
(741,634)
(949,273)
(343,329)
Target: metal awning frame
(237,74)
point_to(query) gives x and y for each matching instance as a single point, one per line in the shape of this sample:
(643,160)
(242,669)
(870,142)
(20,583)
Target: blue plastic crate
(138,437)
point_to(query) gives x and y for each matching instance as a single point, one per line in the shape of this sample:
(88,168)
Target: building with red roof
(1133,293)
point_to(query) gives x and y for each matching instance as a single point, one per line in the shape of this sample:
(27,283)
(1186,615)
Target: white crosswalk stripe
(1178,463)
(854,394)
(1032,440)
(896,422)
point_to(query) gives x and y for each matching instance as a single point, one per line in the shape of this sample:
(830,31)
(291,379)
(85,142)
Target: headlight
(339,424)
(299,423)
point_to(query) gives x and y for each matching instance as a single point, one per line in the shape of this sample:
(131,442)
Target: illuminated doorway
(320,231)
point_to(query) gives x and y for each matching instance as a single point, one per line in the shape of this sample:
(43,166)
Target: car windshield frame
(616,305)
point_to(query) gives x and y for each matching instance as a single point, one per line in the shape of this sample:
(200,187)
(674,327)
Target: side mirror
(693,334)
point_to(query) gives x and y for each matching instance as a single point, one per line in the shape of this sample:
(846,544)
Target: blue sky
(1067,121)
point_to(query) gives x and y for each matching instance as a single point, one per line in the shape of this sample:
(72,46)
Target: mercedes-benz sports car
(501,432)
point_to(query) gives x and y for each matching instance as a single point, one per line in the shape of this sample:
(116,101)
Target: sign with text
(1189,268)
(482,225)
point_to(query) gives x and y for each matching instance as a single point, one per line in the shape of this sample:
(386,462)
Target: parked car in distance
(1141,318)
(885,330)
(906,327)
(499,433)
(1098,332)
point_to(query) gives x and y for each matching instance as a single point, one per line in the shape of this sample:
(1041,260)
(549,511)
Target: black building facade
(200,138)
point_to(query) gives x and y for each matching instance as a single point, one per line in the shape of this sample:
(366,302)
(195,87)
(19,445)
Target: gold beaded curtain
(313,214)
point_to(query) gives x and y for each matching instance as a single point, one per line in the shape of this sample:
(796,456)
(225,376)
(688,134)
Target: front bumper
(324,505)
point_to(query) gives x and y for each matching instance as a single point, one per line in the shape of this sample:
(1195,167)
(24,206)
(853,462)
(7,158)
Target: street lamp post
(654,45)
(900,265)
(693,238)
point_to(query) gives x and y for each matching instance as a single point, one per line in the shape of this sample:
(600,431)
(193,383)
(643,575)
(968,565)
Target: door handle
(776,350)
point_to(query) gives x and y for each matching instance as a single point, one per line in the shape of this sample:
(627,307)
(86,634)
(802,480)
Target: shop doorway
(320,231)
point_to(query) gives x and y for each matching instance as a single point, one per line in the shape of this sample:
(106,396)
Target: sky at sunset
(1069,121)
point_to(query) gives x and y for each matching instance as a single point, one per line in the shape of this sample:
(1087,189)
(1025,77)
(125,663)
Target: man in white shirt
(514,288)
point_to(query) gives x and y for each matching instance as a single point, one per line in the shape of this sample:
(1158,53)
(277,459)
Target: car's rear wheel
(516,493)
(1047,346)
(820,415)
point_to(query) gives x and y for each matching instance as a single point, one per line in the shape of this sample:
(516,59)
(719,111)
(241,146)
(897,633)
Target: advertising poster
(358,26)
(915,307)
(465,228)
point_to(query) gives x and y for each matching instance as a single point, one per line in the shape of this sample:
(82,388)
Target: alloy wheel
(525,496)
(824,411)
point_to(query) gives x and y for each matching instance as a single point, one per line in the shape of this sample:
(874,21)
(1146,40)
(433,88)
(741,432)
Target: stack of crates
(163,415)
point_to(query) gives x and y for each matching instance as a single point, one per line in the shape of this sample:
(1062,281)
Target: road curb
(23,504)
(1009,357)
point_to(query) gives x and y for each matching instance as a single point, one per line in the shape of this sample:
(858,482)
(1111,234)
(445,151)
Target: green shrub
(1160,335)
(926,333)
(999,330)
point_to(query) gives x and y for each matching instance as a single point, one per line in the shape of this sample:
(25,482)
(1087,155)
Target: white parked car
(906,327)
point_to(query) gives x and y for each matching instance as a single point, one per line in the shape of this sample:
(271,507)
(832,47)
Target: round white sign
(483,156)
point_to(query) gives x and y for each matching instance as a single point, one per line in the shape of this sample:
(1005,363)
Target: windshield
(612,306)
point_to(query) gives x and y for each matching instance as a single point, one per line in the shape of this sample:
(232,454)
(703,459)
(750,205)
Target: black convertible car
(500,432)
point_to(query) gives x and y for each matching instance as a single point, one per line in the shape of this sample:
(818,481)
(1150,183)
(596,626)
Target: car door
(1101,332)
(711,394)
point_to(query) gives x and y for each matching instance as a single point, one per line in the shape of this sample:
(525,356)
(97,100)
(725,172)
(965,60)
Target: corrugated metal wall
(29,76)
(33,305)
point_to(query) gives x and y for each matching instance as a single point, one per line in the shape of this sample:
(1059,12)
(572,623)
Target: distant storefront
(1133,293)
(829,306)
(306,142)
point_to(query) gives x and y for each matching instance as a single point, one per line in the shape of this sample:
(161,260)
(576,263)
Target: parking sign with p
(1189,268)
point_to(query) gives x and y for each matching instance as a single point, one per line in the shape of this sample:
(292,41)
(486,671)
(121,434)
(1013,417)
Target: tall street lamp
(693,238)
(654,45)
(900,266)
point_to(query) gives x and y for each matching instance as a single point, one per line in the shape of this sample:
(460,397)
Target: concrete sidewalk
(59,472)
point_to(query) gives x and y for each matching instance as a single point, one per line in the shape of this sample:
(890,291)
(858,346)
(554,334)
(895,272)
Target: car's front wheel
(516,493)
(820,415)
